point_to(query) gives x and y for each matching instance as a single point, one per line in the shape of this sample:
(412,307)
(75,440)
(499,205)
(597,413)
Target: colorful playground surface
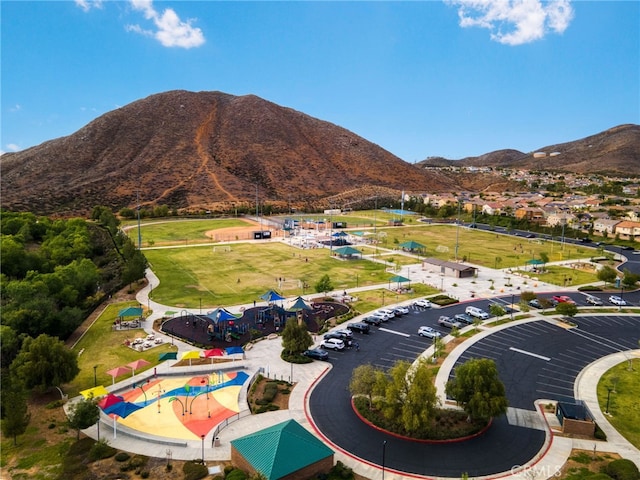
(178,407)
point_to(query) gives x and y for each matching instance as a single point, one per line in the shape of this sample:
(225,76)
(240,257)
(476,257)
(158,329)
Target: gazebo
(347,252)
(412,246)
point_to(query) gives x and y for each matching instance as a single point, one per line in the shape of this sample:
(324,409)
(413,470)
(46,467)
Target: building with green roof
(284,451)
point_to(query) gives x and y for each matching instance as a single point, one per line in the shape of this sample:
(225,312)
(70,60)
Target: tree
(497,310)
(630,279)
(477,387)
(324,284)
(295,337)
(83,414)
(45,362)
(14,407)
(607,274)
(363,381)
(567,309)
(544,256)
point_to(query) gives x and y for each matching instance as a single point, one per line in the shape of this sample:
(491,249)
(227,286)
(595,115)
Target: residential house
(628,230)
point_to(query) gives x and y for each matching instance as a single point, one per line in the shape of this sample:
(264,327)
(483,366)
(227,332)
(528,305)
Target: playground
(184,408)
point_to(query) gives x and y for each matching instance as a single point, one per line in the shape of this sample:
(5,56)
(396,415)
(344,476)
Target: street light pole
(95,376)
(621,300)
(512,298)
(202,437)
(384,448)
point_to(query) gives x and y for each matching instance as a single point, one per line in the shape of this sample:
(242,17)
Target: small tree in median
(478,389)
(83,414)
(295,337)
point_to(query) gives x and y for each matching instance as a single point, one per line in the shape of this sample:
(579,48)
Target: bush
(101,450)
(622,469)
(270,391)
(194,471)
(122,457)
(236,474)
(599,433)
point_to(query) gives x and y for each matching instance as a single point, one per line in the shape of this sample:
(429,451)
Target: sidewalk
(265,355)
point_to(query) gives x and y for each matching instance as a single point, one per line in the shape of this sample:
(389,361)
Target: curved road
(536,360)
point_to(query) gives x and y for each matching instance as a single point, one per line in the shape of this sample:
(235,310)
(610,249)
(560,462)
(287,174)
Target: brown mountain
(613,152)
(204,150)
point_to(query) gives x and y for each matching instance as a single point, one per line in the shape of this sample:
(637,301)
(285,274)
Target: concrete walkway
(264,356)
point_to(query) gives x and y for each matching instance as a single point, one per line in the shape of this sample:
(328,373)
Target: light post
(609,389)
(512,297)
(621,300)
(95,375)
(202,437)
(384,448)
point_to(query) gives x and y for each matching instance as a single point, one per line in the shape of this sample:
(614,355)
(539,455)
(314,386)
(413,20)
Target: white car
(424,303)
(428,332)
(332,344)
(617,300)
(388,311)
(385,317)
(400,310)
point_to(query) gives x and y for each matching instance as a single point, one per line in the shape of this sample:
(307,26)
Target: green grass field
(624,408)
(220,276)
(179,232)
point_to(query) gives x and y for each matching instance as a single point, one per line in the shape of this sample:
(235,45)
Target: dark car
(535,303)
(316,354)
(359,327)
(463,318)
(372,320)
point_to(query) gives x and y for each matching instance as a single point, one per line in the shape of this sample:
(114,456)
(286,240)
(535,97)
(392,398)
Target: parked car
(316,354)
(344,332)
(428,332)
(332,344)
(592,300)
(381,315)
(399,311)
(476,312)
(616,300)
(535,303)
(563,299)
(423,302)
(388,311)
(448,322)
(463,318)
(530,235)
(359,327)
(372,320)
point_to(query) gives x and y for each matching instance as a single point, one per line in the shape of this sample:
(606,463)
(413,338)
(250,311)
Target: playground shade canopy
(117,372)
(138,364)
(122,409)
(271,296)
(298,304)
(168,356)
(220,315)
(94,392)
(110,400)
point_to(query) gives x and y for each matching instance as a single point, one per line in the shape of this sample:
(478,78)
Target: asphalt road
(535,360)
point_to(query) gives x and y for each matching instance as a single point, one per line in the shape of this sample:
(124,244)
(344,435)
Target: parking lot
(537,359)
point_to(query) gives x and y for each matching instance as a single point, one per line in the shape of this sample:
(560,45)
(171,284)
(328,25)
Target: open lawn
(104,347)
(189,276)
(624,409)
(563,276)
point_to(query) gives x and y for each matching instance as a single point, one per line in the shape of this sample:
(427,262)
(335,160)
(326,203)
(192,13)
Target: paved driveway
(535,360)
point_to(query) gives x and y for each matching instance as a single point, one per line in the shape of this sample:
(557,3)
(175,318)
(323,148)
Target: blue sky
(451,78)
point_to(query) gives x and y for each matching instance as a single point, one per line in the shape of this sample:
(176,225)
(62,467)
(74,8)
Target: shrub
(144,474)
(101,450)
(270,391)
(599,433)
(122,457)
(622,469)
(194,471)
(236,474)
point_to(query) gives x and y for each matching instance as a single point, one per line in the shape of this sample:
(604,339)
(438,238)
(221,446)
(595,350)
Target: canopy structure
(110,400)
(130,312)
(340,234)
(347,251)
(190,355)
(412,246)
(118,372)
(94,392)
(137,364)
(272,296)
(298,304)
(168,356)
(535,261)
(122,409)
(232,350)
(220,315)
(214,352)
(398,279)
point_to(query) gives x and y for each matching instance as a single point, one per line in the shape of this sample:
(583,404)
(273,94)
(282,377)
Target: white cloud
(515,22)
(12,147)
(16,108)
(87,5)
(170,30)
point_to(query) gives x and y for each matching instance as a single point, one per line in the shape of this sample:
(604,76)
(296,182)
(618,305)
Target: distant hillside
(204,150)
(615,151)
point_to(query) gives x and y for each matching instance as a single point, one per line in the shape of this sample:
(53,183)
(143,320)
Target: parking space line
(524,352)
(395,332)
